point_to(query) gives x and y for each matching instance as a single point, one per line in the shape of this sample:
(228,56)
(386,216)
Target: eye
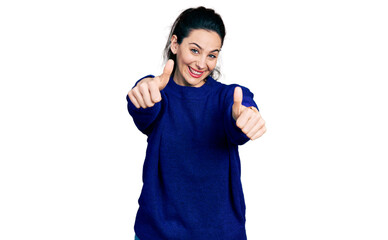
(194,50)
(212,56)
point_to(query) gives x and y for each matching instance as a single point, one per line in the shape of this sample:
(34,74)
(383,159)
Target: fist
(248,119)
(147,92)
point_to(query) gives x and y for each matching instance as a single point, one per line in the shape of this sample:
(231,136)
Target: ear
(174,44)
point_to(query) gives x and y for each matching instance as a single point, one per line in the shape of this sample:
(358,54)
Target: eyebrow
(215,50)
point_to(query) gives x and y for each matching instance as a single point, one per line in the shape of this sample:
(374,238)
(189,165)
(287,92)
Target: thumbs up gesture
(248,119)
(147,92)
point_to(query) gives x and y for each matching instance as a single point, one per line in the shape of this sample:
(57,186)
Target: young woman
(191,176)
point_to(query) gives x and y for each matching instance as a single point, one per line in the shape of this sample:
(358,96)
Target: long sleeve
(234,133)
(144,118)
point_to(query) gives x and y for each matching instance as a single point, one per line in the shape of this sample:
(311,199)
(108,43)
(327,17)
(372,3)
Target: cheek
(186,59)
(211,65)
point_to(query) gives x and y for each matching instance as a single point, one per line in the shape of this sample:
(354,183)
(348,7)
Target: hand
(248,119)
(147,92)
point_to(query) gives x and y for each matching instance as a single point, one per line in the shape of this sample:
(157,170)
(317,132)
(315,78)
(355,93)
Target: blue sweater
(191,175)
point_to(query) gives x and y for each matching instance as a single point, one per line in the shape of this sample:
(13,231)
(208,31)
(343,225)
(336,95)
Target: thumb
(237,102)
(165,77)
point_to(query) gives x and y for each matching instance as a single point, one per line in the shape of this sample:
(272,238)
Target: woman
(191,177)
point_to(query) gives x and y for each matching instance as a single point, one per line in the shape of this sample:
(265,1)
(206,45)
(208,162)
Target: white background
(71,157)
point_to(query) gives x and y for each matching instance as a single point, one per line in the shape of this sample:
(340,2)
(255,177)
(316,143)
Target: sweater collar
(187,92)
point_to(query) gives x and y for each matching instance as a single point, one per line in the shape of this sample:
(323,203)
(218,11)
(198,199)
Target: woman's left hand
(248,119)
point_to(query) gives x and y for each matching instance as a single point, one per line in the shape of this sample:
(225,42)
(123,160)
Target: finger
(255,122)
(165,77)
(259,133)
(155,93)
(255,109)
(138,97)
(245,115)
(237,102)
(133,99)
(260,124)
(252,122)
(146,95)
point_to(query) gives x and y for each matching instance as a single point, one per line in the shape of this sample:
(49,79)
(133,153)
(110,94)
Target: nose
(201,63)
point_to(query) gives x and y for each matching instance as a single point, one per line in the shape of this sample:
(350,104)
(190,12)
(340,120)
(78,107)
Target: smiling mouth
(195,73)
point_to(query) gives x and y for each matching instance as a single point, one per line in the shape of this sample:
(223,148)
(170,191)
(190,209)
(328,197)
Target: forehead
(205,38)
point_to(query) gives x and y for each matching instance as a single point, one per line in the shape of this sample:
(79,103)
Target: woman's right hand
(147,92)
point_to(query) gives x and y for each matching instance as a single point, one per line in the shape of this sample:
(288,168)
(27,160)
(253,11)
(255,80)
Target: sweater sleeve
(144,119)
(234,133)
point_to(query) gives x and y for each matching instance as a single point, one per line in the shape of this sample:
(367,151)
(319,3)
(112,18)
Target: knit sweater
(191,174)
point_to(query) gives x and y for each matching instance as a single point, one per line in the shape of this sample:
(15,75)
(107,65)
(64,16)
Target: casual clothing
(191,175)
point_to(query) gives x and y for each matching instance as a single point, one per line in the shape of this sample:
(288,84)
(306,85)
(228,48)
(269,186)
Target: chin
(195,81)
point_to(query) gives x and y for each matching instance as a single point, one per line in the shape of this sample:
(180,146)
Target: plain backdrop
(71,156)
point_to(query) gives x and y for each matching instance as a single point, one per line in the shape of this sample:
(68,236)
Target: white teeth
(195,72)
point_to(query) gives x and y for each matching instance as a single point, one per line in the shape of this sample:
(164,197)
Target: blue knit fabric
(191,175)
